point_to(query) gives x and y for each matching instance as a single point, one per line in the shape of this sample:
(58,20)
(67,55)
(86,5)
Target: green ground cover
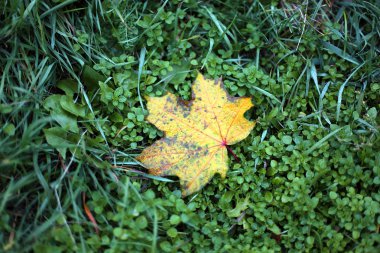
(72,118)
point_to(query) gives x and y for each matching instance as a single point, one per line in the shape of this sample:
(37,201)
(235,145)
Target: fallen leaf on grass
(197,133)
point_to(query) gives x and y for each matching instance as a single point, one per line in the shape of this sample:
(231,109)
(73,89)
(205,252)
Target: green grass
(73,79)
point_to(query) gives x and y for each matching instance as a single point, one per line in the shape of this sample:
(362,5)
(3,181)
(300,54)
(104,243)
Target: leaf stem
(232,152)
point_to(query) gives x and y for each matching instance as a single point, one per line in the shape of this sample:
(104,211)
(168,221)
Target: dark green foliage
(72,120)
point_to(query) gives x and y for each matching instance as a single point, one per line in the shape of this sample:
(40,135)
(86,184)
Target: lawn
(75,78)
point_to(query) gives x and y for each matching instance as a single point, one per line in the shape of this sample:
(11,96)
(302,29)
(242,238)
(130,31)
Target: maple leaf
(197,133)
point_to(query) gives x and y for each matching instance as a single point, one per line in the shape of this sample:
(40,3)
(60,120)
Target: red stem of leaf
(232,152)
(89,214)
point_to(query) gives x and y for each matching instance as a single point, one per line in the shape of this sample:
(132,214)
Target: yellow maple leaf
(196,133)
